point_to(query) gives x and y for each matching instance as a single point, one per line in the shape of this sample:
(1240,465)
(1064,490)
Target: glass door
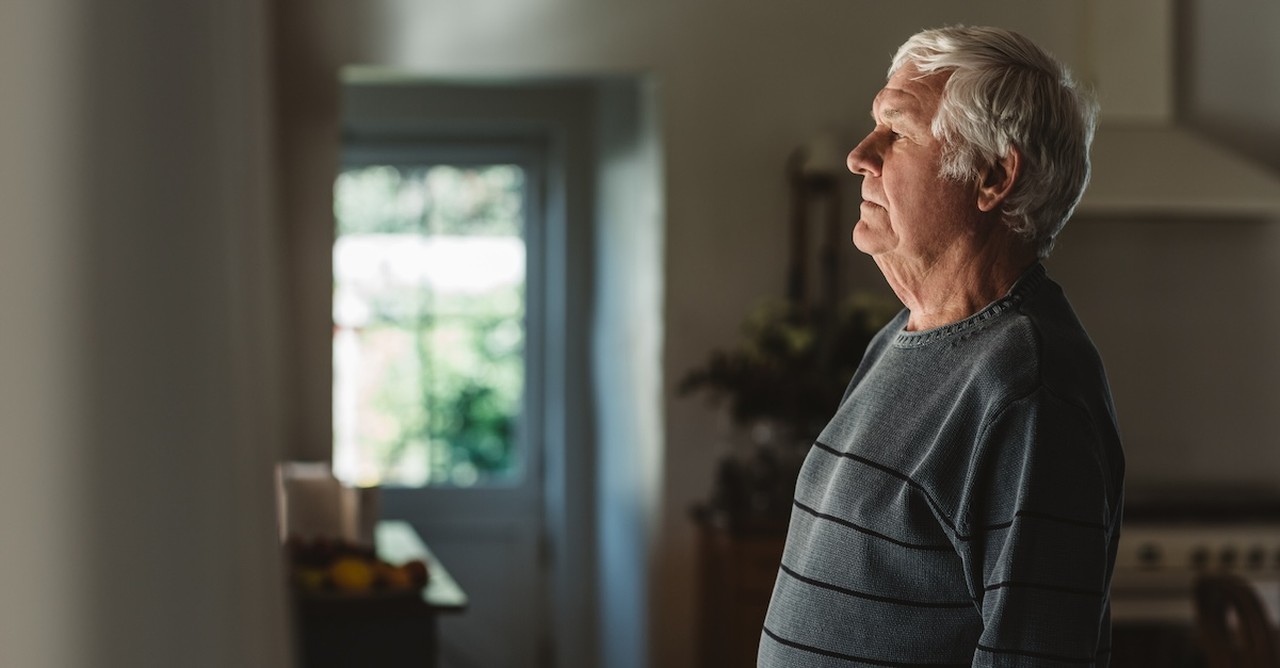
(429,338)
(438,313)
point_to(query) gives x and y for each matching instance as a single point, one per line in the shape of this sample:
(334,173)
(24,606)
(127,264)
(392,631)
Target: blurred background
(229,225)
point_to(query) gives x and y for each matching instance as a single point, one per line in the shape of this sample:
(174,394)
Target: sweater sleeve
(1037,536)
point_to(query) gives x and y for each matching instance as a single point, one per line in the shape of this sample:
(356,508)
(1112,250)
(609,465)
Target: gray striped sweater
(963,505)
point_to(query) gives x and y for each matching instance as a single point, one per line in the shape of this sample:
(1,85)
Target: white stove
(1169,538)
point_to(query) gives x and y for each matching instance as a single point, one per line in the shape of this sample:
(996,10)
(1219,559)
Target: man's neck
(953,287)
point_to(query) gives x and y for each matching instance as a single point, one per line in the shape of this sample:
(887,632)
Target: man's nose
(864,159)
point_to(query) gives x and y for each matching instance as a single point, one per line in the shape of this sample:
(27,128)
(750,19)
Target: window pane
(428,310)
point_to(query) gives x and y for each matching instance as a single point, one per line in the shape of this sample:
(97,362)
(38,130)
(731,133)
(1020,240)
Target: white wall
(136,386)
(1230,61)
(41,567)
(1182,312)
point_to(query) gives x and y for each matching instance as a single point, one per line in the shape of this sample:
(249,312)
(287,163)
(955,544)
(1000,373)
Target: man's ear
(997,181)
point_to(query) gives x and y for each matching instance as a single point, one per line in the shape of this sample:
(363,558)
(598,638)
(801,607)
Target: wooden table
(737,570)
(380,629)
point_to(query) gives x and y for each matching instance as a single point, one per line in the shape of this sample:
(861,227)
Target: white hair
(1004,92)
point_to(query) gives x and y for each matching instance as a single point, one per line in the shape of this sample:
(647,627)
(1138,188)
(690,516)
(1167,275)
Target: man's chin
(870,240)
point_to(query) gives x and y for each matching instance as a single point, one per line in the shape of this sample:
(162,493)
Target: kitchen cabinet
(737,569)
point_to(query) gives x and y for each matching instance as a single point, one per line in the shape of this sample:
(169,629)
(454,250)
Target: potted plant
(780,384)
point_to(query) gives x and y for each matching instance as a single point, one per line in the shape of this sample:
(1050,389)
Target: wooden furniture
(384,630)
(1233,625)
(738,568)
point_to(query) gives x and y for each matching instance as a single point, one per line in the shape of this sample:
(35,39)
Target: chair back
(1233,625)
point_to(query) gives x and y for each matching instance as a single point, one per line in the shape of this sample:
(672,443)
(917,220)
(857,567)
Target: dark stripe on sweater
(1038,655)
(875,597)
(1032,585)
(938,507)
(1032,514)
(861,529)
(897,474)
(849,657)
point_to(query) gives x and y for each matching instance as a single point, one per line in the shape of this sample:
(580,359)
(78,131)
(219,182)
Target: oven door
(1152,607)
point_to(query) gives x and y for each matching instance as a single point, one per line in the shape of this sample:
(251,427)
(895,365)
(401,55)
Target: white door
(438,312)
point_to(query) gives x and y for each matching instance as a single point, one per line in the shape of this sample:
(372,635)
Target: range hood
(1145,163)
(1165,170)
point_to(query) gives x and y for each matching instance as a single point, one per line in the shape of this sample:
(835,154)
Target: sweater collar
(1027,284)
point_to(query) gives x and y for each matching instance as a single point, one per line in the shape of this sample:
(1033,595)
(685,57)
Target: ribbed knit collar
(1028,283)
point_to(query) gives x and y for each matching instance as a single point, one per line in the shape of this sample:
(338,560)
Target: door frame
(557,116)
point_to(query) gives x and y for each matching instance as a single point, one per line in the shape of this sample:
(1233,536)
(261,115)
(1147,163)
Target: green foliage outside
(442,371)
(443,200)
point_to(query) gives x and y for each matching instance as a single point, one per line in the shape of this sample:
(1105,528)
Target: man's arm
(1038,535)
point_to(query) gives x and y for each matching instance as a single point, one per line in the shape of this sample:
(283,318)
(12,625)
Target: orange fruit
(351,574)
(398,579)
(417,571)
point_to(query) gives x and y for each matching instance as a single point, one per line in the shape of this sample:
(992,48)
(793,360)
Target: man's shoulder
(1037,343)
(1063,349)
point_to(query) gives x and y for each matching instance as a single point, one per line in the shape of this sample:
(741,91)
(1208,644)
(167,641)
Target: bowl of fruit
(332,567)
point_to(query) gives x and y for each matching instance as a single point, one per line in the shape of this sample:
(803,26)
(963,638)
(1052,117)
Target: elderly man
(963,505)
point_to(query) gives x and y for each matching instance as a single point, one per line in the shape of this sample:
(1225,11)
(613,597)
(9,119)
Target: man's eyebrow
(887,114)
(891,104)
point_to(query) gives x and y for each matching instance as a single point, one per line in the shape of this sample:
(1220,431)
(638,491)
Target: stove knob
(1257,558)
(1200,558)
(1149,555)
(1228,557)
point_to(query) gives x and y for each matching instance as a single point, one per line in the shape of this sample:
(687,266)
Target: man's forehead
(907,94)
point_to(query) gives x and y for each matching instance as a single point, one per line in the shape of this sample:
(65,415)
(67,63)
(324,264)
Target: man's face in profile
(909,211)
